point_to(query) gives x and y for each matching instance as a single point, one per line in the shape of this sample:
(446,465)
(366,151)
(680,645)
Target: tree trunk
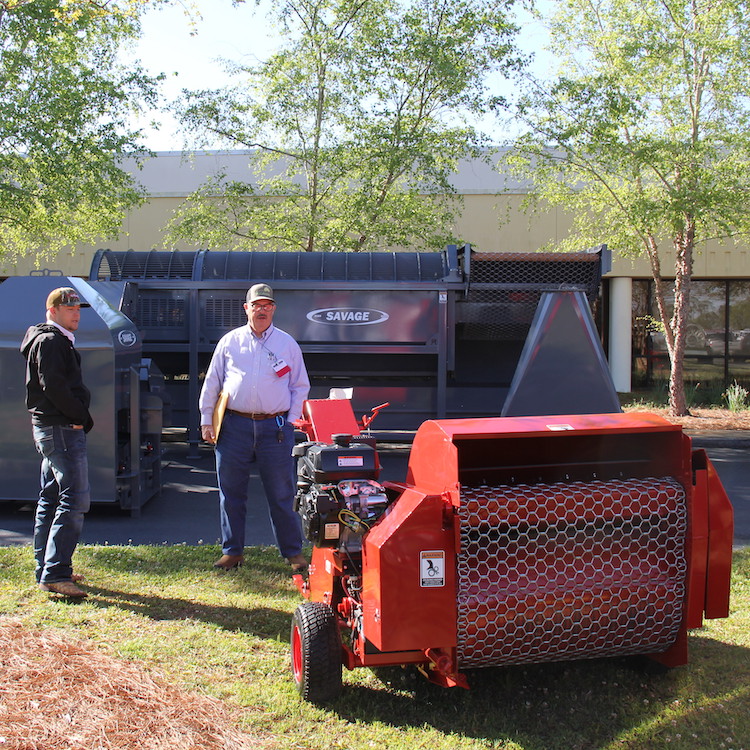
(675,327)
(683,267)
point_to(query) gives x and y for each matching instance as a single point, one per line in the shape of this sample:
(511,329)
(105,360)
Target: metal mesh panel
(311,266)
(276,266)
(224,312)
(570,570)
(551,270)
(153,264)
(504,290)
(497,314)
(108,268)
(161,312)
(172,264)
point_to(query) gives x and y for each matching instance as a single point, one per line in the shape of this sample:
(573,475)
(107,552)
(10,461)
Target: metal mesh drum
(557,571)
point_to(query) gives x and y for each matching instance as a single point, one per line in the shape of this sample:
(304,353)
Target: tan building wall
(497,223)
(711,260)
(490,221)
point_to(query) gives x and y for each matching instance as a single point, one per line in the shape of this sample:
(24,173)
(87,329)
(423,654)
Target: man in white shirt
(260,370)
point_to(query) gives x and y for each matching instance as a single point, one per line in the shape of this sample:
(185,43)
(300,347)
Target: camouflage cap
(65,296)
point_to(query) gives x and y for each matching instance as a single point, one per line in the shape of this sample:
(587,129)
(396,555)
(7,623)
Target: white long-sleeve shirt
(243,364)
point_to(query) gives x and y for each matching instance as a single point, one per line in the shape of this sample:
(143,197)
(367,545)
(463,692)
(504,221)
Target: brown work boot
(298,563)
(229,562)
(64,588)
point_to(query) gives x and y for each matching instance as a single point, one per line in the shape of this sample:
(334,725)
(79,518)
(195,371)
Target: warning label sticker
(350,460)
(432,568)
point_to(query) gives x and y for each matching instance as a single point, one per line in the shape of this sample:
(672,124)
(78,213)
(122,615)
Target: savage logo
(347,316)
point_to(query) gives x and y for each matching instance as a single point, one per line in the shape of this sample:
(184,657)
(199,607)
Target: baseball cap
(260,291)
(65,296)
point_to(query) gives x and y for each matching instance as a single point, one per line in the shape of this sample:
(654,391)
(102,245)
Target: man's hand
(208,434)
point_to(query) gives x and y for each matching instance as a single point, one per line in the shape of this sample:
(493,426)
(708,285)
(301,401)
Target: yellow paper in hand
(219,409)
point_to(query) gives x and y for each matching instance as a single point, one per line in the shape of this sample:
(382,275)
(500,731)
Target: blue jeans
(64,498)
(243,442)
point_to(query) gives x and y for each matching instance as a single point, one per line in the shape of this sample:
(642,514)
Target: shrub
(736,397)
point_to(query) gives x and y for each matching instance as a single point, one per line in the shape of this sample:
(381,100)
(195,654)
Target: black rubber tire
(316,652)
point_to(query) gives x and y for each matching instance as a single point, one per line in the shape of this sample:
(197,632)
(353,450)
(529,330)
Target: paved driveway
(186,510)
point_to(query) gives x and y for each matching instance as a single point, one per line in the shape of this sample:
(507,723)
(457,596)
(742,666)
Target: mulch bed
(58,694)
(704,419)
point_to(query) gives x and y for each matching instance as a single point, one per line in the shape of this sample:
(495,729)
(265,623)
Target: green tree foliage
(64,106)
(644,136)
(358,117)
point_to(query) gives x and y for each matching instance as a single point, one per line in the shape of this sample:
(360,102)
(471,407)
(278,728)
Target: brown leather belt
(256,415)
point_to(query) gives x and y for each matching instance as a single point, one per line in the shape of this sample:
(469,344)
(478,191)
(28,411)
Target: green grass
(227,635)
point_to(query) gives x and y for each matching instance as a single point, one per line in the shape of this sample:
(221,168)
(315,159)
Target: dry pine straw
(702,419)
(57,694)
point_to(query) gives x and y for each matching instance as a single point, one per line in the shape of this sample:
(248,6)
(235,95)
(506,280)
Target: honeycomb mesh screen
(572,570)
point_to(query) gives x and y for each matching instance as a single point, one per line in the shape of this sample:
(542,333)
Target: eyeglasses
(264,308)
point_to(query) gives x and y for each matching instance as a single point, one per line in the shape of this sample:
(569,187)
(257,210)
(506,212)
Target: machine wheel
(316,652)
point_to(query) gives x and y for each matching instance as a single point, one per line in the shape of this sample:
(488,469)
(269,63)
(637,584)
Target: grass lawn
(226,635)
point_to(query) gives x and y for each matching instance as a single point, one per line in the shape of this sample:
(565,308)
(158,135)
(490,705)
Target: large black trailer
(435,334)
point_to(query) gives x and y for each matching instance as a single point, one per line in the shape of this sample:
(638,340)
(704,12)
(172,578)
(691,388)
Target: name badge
(281,368)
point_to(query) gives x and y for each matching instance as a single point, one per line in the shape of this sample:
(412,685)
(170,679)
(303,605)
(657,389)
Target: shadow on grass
(189,574)
(584,705)
(263,572)
(263,622)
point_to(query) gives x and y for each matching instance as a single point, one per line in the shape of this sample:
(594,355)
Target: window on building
(718,336)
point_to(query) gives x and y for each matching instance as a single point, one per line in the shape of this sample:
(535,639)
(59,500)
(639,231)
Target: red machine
(511,540)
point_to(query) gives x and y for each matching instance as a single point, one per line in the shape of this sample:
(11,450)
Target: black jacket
(55,393)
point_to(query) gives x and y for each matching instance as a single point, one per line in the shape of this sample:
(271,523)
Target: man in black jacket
(59,405)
